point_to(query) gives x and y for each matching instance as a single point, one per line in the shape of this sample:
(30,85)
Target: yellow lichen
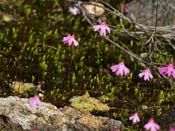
(21,87)
(86,102)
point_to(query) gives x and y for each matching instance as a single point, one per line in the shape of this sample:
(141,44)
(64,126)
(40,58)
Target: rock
(144,12)
(93,8)
(17,115)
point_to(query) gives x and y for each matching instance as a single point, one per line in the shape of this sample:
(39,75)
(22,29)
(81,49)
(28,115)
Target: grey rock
(144,12)
(17,115)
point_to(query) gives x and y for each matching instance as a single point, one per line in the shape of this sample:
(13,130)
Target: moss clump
(86,102)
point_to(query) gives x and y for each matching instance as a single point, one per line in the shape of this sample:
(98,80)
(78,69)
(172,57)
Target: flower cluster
(70,39)
(121,70)
(150,125)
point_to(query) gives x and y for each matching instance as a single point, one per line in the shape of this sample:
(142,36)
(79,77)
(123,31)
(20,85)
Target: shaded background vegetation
(31,50)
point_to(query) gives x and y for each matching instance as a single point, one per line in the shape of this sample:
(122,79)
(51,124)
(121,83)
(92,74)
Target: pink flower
(135,118)
(74,10)
(146,74)
(34,101)
(151,125)
(70,39)
(167,70)
(120,69)
(172,129)
(103,28)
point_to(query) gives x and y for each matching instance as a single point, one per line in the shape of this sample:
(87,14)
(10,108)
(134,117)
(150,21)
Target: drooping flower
(70,39)
(146,74)
(120,69)
(103,28)
(74,10)
(135,118)
(167,70)
(35,101)
(151,125)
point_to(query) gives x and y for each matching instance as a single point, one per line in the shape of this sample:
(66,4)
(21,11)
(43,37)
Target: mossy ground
(31,50)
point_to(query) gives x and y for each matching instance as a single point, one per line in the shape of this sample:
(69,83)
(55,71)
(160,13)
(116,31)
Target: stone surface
(93,8)
(144,12)
(17,115)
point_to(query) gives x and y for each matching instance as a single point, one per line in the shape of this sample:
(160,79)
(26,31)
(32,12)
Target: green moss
(85,102)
